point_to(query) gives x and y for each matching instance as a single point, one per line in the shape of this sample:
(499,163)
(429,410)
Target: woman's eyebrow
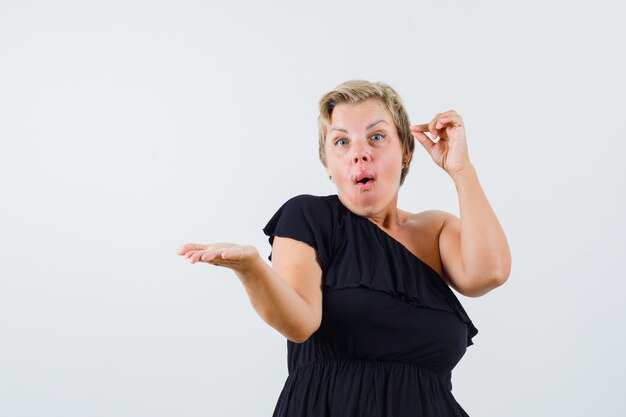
(367,128)
(375,123)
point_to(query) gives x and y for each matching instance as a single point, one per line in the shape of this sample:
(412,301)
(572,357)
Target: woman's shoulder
(420,234)
(426,224)
(314,199)
(430,219)
(317,204)
(312,209)
(305,218)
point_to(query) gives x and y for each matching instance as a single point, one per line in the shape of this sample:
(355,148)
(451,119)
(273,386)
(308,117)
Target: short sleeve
(306,218)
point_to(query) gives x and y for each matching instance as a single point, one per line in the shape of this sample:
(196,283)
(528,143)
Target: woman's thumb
(423,139)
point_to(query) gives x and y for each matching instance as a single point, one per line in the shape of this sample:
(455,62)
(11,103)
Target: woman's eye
(380,136)
(341,142)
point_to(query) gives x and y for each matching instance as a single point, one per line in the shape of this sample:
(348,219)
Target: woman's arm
(474,249)
(287,296)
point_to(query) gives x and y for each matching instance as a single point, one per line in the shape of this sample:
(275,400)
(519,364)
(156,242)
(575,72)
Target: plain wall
(129,128)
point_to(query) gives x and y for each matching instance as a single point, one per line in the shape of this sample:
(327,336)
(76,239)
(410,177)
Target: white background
(129,128)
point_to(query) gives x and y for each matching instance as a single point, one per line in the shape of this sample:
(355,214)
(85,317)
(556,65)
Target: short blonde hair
(356,91)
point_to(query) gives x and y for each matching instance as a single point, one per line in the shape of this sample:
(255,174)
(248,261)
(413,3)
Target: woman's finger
(193,256)
(424,140)
(211,253)
(442,122)
(426,126)
(421,128)
(419,133)
(432,128)
(189,254)
(189,246)
(202,255)
(229,255)
(448,120)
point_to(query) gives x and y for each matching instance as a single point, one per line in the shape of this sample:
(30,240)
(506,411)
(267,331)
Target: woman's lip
(363,174)
(365,186)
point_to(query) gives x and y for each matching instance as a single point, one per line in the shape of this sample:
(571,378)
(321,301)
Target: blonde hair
(356,91)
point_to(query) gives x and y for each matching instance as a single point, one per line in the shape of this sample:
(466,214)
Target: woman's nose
(360,156)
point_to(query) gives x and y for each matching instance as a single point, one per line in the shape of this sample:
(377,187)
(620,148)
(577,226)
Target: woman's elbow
(309,327)
(484,287)
(302,337)
(502,274)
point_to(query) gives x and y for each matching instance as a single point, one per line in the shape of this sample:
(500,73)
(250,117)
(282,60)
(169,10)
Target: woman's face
(362,142)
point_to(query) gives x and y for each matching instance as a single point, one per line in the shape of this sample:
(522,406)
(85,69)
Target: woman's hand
(236,257)
(450,152)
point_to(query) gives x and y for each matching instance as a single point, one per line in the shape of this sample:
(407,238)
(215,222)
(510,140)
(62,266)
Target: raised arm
(287,295)
(474,250)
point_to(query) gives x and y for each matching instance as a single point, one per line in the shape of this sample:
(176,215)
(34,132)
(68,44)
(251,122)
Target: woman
(359,287)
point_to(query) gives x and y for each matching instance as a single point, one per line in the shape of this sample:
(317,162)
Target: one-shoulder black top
(391,332)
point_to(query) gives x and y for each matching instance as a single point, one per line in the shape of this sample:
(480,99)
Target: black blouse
(391,332)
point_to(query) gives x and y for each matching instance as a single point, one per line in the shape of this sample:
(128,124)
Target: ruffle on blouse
(403,275)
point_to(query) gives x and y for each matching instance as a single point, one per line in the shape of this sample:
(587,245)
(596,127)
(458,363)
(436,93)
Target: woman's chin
(363,203)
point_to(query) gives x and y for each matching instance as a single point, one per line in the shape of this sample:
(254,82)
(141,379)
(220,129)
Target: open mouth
(364,180)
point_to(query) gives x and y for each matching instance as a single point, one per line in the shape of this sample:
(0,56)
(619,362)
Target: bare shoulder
(428,220)
(434,218)
(449,245)
(420,234)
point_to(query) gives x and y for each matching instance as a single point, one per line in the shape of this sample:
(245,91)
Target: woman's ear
(407,157)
